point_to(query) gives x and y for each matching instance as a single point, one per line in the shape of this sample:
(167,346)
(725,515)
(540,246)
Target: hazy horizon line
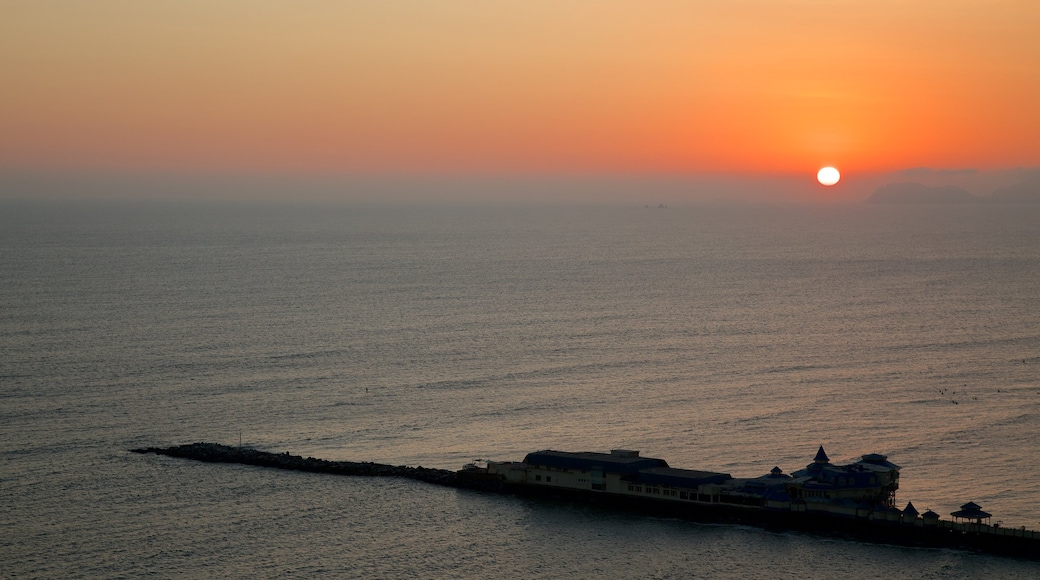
(600,188)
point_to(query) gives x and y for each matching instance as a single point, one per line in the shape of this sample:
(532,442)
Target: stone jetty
(217,453)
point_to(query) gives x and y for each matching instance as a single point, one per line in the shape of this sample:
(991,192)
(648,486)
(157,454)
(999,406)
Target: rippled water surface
(730,339)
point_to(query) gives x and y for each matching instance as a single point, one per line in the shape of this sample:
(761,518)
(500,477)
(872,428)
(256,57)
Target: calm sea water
(730,339)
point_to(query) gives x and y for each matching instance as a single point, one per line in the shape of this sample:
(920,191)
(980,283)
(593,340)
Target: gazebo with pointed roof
(971,512)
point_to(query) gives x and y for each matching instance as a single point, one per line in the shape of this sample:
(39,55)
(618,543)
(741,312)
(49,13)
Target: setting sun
(828,176)
(735,101)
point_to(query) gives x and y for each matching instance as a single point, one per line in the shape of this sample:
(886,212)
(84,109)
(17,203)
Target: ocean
(722,338)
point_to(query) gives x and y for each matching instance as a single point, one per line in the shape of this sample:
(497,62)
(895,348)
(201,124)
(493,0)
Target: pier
(218,453)
(928,531)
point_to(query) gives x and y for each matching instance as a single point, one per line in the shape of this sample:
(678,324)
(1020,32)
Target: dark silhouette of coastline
(1027,191)
(915,193)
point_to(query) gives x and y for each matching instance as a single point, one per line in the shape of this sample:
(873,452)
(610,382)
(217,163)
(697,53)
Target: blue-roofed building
(617,461)
(865,488)
(621,471)
(857,497)
(873,479)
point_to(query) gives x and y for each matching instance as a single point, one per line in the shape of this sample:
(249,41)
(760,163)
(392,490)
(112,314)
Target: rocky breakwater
(217,453)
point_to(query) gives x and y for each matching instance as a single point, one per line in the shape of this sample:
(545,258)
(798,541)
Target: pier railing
(991,530)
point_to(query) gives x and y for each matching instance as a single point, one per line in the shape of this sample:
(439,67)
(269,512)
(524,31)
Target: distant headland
(908,193)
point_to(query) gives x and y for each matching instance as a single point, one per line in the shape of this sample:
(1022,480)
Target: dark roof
(670,476)
(589,461)
(972,511)
(910,510)
(877,459)
(821,456)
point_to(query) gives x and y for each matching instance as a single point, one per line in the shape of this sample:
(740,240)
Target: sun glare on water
(828,176)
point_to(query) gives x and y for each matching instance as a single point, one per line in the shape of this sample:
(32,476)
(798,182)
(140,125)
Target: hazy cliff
(917,193)
(1027,191)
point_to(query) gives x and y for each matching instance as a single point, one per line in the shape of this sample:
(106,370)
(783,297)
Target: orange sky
(541,86)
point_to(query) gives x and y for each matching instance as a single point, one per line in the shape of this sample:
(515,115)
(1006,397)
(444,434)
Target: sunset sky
(708,90)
